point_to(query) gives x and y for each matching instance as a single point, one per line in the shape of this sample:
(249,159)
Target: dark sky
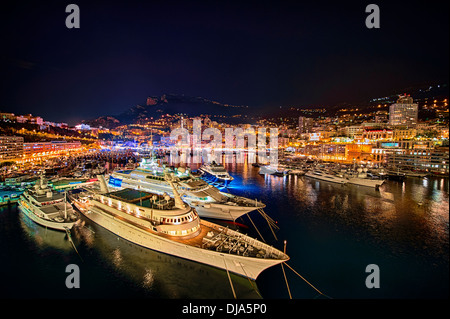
(257,53)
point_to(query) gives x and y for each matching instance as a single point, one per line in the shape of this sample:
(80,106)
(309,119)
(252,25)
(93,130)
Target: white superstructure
(216,173)
(205,198)
(271,169)
(47,207)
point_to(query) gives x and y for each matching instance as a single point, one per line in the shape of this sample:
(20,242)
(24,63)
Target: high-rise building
(11,148)
(404,112)
(305,124)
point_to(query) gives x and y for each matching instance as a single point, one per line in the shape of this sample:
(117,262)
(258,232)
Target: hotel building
(404,112)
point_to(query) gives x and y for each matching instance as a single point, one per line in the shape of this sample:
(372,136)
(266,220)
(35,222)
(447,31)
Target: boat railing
(236,239)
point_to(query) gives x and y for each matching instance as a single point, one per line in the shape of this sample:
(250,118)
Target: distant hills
(156,106)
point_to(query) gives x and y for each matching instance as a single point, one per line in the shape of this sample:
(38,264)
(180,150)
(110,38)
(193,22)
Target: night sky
(258,53)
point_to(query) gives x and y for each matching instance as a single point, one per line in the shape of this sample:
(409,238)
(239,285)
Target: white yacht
(413,174)
(205,198)
(360,177)
(169,225)
(47,207)
(318,174)
(271,169)
(216,173)
(267,169)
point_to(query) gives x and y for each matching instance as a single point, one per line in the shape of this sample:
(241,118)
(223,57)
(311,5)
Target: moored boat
(360,177)
(47,207)
(324,176)
(216,173)
(208,201)
(169,225)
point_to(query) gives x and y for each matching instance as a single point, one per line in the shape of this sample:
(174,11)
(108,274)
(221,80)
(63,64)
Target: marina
(221,159)
(403,224)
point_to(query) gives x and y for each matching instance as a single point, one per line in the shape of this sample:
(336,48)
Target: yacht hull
(241,265)
(43,222)
(336,180)
(375,183)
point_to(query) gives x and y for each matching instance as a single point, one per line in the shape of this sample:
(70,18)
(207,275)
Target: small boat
(395,175)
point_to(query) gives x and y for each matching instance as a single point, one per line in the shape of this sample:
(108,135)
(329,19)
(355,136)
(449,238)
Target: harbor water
(332,233)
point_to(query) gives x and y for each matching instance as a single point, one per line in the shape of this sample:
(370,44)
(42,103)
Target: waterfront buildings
(434,160)
(11,148)
(47,148)
(377,134)
(404,112)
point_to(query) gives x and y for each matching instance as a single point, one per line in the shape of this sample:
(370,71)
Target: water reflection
(43,237)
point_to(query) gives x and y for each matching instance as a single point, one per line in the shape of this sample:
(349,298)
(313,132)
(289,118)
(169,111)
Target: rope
(229,278)
(70,239)
(256,228)
(285,279)
(306,281)
(263,214)
(268,218)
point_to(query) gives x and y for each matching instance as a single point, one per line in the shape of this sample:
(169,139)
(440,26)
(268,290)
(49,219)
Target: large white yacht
(324,176)
(360,177)
(169,225)
(216,173)
(47,207)
(207,200)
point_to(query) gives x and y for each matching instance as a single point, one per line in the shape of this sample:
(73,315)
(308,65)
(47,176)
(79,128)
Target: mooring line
(285,279)
(256,228)
(263,214)
(229,278)
(306,281)
(71,241)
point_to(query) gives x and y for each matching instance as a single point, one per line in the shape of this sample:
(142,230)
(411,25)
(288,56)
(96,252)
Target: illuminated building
(305,124)
(404,112)
(44,149)
(11,147)
(430,160)
(377,134)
